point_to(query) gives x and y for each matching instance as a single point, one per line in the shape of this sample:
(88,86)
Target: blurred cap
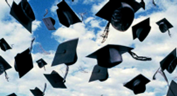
(49,23)
(99,73)
(4,45)
(164,25)
(172,89)
(137,84)
(23,62)
(141,30)
(66,53)
(36,92)
(55,80)
(41,63)
(66,15)
(13,94)
(4,65)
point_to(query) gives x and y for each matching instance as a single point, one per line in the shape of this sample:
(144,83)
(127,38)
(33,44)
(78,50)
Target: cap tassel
(169,33)
(46,12)
(162,73)
(67,69)
(45,87)
(153,2)
(6,76)
(44,68)
(7,3)
(31,44)
(105,34)
(141,58)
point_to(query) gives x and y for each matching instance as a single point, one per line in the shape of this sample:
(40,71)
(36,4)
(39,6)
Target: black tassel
(105,34)
(31,44)
(67,69)
(169,33)
(6,76)
(46,12)
(45,87)
(7,3)
(141,58)
(153,2)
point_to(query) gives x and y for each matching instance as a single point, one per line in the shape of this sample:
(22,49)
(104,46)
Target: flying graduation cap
(4,45)
(141,30)
(120,13)
(172,89)
(23,13)
(38,92)
(99,73)
(23,62)
(13,94)
(41,63)
(137,84)
(55,80)
(164,25)
(49,22)
(66,15)
(110,55)
(4,65)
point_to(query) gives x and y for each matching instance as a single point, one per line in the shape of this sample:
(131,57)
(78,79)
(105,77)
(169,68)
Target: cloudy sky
(157,45)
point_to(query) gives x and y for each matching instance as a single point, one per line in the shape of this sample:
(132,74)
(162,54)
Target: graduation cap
(13,94)
(66,53)
(99,73)
(23,13)
(4,45)
(49,22)
(41,63)
(169,62)
(66,15)
(137,84)
(164,25)
(23,62)
(141,30)
(120,13)
(110,55)
(55,80)
(38,92)
(172,89)
(4,65)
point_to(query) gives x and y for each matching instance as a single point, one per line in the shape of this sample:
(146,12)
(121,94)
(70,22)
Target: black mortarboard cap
(23,62)
(137,84)
(49,23)
(164,25)
(172,89)
(4,65)
(66,53)
(169,62)
(41,63)
(55,80)
(99,73)
(13,94)
(66,15)
(109,55)
(4,45)
(36,92)
(120,13)
(23,13)
(141,30)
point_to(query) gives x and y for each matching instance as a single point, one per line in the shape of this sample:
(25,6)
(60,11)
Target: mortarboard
(4,45)
(137,84)
(172,89)
(49,22)
(4,65)
(66,15)
(99,73)
(13,94)
(23,13)
(41,63)
(66,53)
(55,80)
(120,13)
(23,62)
(169,62)
(110,55)
(141,30)
(164,25)
(38,92)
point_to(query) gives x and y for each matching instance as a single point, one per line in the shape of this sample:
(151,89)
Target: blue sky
(157,45)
